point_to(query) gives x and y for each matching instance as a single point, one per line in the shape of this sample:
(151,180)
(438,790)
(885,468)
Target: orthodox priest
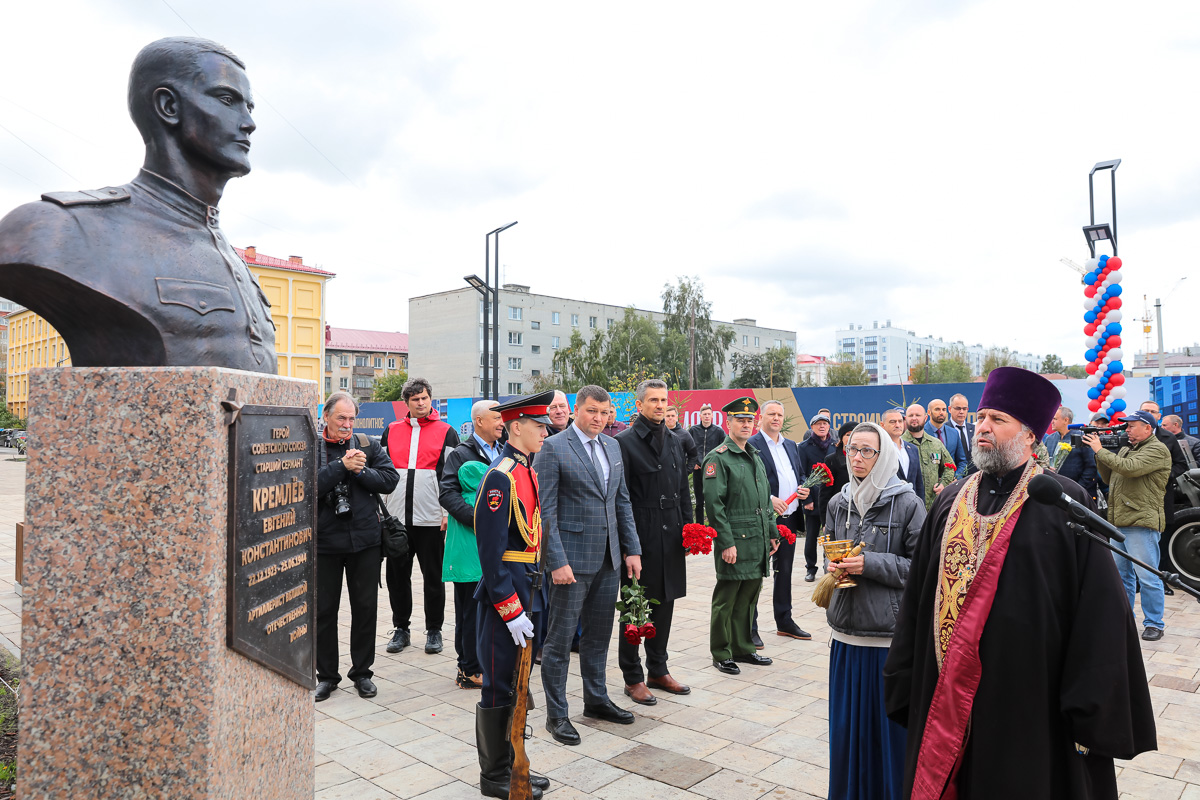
(1015,664)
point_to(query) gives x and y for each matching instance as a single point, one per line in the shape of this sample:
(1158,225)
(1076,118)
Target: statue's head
(193,95)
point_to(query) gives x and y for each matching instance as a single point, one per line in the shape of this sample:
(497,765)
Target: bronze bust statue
(140,274)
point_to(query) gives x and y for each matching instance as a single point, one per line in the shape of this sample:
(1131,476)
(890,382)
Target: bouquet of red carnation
(698,539)
(635,613)
(820,476)
(787,534)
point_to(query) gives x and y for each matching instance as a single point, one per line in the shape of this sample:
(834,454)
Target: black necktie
(962,434)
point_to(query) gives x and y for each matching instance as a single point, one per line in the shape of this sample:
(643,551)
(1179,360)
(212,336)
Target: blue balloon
(1089,316)
(1103,261)
(1117,405)
(1113,329)
(1090,355)
(1114,290)
(1094,393)
(1116,366)
(1090,278)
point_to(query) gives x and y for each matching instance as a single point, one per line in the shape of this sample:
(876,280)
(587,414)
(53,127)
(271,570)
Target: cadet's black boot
(495,755)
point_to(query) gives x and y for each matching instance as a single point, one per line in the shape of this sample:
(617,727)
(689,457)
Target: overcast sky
(813,163)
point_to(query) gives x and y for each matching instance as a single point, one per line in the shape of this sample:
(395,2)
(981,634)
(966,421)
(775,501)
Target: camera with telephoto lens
(339,498)
(1112,437)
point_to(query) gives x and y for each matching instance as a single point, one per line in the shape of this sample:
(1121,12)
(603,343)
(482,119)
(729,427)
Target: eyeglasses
(866,452)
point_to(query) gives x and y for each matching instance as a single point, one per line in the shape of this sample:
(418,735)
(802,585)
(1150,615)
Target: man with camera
(351,471)
(1137,475)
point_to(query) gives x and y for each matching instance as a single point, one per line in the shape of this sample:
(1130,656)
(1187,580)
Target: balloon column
(1106,375)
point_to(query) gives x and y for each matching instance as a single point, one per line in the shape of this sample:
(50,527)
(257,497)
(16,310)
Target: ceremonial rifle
(518,785)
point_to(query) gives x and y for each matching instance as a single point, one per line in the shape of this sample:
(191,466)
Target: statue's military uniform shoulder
(92,197)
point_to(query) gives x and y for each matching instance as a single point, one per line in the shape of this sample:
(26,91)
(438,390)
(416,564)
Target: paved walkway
(758,735)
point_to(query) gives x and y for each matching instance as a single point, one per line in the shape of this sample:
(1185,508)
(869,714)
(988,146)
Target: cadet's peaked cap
(742,407)
(1025,395)
(532,406)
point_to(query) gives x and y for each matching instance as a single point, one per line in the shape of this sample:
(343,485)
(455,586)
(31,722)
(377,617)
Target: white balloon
(1114,276)
(1092,380)
(1116,353)
(1107,357)
(1116,392)
(1089,303)
(1114,315)
(1092,264)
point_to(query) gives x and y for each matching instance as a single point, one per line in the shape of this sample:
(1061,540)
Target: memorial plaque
(272,540)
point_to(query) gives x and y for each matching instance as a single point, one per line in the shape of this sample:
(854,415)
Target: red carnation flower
(648,631)
(786,534)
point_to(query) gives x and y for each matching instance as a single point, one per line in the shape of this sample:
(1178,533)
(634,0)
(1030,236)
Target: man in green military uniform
(737,498)
(937,465)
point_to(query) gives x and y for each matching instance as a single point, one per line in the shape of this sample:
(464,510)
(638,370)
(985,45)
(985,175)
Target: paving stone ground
(762,734)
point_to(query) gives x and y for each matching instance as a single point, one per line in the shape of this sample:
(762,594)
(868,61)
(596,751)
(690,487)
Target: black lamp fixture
(1102,232)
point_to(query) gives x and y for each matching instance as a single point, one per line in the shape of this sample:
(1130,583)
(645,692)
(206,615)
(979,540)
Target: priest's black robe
(1061,663)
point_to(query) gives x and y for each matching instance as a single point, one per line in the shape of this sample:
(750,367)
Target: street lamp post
(480,285)
(488,258)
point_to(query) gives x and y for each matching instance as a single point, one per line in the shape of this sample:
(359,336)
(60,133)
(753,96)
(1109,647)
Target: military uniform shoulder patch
(722,448)
(506,464)
(494,498)
(92,197)
(710,470)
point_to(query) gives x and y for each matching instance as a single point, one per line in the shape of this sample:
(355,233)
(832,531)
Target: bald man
(937,465)
(939,415)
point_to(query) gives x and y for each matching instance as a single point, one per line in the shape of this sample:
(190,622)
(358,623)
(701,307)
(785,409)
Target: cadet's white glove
(521,628)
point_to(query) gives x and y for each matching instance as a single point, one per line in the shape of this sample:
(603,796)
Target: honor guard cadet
(737,499)
(508,532)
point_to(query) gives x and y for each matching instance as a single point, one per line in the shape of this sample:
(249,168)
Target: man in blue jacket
(937,427)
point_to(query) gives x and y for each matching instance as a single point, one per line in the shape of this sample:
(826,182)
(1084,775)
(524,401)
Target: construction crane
(1082,272)
(1146,320)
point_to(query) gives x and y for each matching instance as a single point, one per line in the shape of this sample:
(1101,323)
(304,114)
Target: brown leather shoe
(639,694)
(668,684)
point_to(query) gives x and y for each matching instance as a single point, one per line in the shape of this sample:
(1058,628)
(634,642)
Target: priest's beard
(1001,458)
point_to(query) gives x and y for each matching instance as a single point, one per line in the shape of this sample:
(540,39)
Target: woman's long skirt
(866,749)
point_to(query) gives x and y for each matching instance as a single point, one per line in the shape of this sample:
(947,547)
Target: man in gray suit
(587,530)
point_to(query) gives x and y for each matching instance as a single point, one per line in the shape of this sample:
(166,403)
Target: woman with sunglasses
(879,510)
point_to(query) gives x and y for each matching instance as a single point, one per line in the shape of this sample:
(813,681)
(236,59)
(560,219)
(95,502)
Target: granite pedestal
(129,690)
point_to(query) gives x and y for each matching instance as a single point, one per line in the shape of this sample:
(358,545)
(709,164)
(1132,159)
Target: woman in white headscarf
(879,509)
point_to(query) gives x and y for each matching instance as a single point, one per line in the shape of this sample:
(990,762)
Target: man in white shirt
(892,421)
(782,461)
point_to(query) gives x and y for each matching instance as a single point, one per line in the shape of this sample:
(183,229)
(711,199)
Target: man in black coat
(354,470)
(815,449)
(706,436)
(656,474)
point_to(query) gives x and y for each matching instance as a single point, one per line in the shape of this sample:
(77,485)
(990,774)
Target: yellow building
(297,295)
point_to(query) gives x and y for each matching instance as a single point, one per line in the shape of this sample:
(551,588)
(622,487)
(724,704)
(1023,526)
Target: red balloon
(1116,302)
(1113,263)
(1089,329)
(1113,341)
(1108,304)
(1091,370)
(1089,291)
(1093,405)
(1117,379)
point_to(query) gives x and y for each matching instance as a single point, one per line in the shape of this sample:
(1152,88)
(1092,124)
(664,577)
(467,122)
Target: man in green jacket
(937,465)
(737,498)
(1137,477)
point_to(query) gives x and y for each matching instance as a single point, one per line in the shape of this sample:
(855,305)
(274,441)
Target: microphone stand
(1171,578)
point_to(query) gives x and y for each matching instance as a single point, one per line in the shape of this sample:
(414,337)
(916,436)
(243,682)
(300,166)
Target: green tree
(581,363)
(387,389)
(1053,364)
(688,313)
(805,381)
(775,367)
(998,357)
(1076,371)
(632,341)
(845,370)
(951,367)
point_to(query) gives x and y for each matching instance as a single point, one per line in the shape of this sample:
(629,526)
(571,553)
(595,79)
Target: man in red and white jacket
(418,446)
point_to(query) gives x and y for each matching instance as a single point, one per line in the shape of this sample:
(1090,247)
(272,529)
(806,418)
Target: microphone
(1048,491)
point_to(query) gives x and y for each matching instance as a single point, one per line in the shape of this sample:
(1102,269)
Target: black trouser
(427,543)
(812,529)
(628,657)
(781,593)
(362,580)
(698,488)
(466,612)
